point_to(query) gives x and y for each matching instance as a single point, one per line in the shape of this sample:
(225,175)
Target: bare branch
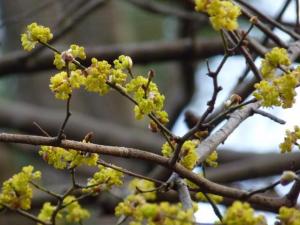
(140,52)
(270,203)
(164,9)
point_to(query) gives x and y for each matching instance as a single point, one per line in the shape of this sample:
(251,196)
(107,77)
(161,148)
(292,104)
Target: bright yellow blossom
(16,192)
(223,14)
(147,96)
(141,212)
(104,179)
(289,216)
(35,33)
(62,85)
(290,139)
(143,185)
(61,158)
(46,213)
(188,154)
(98,74)
(242,213)
(74,213)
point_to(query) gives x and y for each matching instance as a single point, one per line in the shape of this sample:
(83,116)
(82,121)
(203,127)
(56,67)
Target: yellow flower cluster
(123,63)
(242,213)
(70,55)
(140,185)
(223,14)
(273,59)
(289,216)
(74,213)
(16,192)
(61,158)
(63,86)
(101,71)
(97,76)
(290,139)
(71,211)
(141,212)
(46,213)
(280,93)
(148,97)
(104,179)
(277,91)
(212,159)
(35,33)
(188,154)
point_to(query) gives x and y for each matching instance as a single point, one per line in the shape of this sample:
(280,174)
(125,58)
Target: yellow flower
(223,15)
(273,59)
(74,212)
(104,179)
(212,159)
(16,192)
(188,154)
(242,213)
(201,5)
(62,85)
(143,185)
(148,97)
(290,139)
(98,74)
(46,213)
(62,158)
(289,216)
(35,33)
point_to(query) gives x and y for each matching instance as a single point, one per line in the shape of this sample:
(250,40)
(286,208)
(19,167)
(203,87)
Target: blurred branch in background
(156,51)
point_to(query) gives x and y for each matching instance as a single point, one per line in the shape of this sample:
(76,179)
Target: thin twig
(41,129)
(268,19)
(68,112)
(214,206)
(26,214)
(261,190)
(46,190)
(130,173)
(269,115)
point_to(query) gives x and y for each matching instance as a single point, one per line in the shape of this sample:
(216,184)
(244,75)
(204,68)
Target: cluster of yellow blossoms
(277,90)
(242,213)
(290,139)
(188,154)
(143,187)
(98,77)
(140,211)
(17,192)
(103,180)
(289,216)
(35,33)
(223,14)
(71,211)
(147,95)
(61,158)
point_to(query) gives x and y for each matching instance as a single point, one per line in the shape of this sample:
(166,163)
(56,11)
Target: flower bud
(287,177)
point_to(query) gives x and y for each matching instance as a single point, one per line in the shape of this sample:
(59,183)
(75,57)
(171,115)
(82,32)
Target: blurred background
(166,36)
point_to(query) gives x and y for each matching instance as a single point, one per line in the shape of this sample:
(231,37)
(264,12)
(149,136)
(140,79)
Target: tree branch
(272,204)
(155,51)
